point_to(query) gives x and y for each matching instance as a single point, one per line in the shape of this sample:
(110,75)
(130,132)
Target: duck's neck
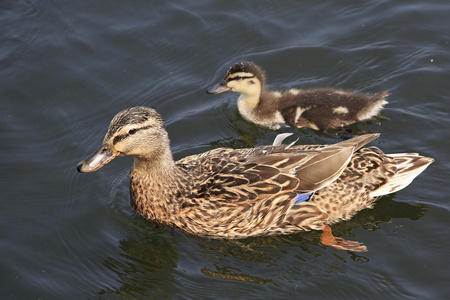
(155,187)
(160,164)
(248,102)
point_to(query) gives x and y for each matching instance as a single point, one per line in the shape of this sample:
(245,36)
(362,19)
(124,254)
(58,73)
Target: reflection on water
(270,251)
(144,267)
(232,274)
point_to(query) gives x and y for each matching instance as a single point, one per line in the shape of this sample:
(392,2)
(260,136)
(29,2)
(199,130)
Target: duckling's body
(238,193)
(318,108)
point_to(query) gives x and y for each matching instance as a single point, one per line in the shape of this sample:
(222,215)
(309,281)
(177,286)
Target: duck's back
(230,175)
(326,108)
(235,188)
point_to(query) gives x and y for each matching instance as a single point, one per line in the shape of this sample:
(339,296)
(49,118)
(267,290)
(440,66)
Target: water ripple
(67,67)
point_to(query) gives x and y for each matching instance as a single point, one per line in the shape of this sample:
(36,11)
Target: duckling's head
(137,131)
(244,77)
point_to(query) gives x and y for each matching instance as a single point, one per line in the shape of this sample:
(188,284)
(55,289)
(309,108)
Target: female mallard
(319,108)
(238,193)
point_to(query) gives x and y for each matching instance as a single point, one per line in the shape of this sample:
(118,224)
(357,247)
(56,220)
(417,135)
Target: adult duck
(239,193)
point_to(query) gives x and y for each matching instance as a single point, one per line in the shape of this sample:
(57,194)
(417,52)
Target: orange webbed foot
(328,239)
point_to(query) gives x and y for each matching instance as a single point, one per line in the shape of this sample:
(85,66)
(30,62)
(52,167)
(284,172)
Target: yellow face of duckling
(138,131)
(245,83)
(245,78)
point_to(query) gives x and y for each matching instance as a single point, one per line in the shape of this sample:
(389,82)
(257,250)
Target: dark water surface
(67,67)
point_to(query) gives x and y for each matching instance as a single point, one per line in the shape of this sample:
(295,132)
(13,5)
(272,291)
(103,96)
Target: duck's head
(137,131)
(244,77)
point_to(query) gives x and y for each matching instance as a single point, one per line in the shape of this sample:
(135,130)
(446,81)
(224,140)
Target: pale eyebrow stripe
(120,137)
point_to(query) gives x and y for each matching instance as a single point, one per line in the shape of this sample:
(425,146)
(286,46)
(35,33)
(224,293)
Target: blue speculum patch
(303,197)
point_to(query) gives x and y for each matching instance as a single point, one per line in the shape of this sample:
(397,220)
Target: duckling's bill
(98,159)
(218,88)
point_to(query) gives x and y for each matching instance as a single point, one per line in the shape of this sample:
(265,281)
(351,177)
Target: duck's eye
(132,131)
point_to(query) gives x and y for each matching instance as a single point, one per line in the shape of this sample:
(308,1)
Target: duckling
(317,108)
(239,193)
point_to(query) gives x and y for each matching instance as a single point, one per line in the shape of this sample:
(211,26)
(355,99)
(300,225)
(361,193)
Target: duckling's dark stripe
(122,136)
(241,77)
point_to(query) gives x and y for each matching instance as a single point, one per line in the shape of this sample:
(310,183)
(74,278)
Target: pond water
(67,67)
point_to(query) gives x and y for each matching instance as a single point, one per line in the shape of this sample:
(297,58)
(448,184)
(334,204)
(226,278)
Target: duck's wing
(251,174)
(316,168)
(313,169)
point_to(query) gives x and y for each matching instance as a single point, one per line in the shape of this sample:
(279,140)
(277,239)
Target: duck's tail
(409,166)
(378,101)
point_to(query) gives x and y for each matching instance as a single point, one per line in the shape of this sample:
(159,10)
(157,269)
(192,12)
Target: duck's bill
(218,88)
(97,160)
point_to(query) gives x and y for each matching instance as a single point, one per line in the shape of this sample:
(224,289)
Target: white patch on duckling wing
(276,94)
(294,92)
(340,110)
(274,122)
(340,92)
(278,118)
(299,112)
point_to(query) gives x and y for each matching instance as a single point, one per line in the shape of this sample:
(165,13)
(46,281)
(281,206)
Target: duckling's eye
(132,131)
